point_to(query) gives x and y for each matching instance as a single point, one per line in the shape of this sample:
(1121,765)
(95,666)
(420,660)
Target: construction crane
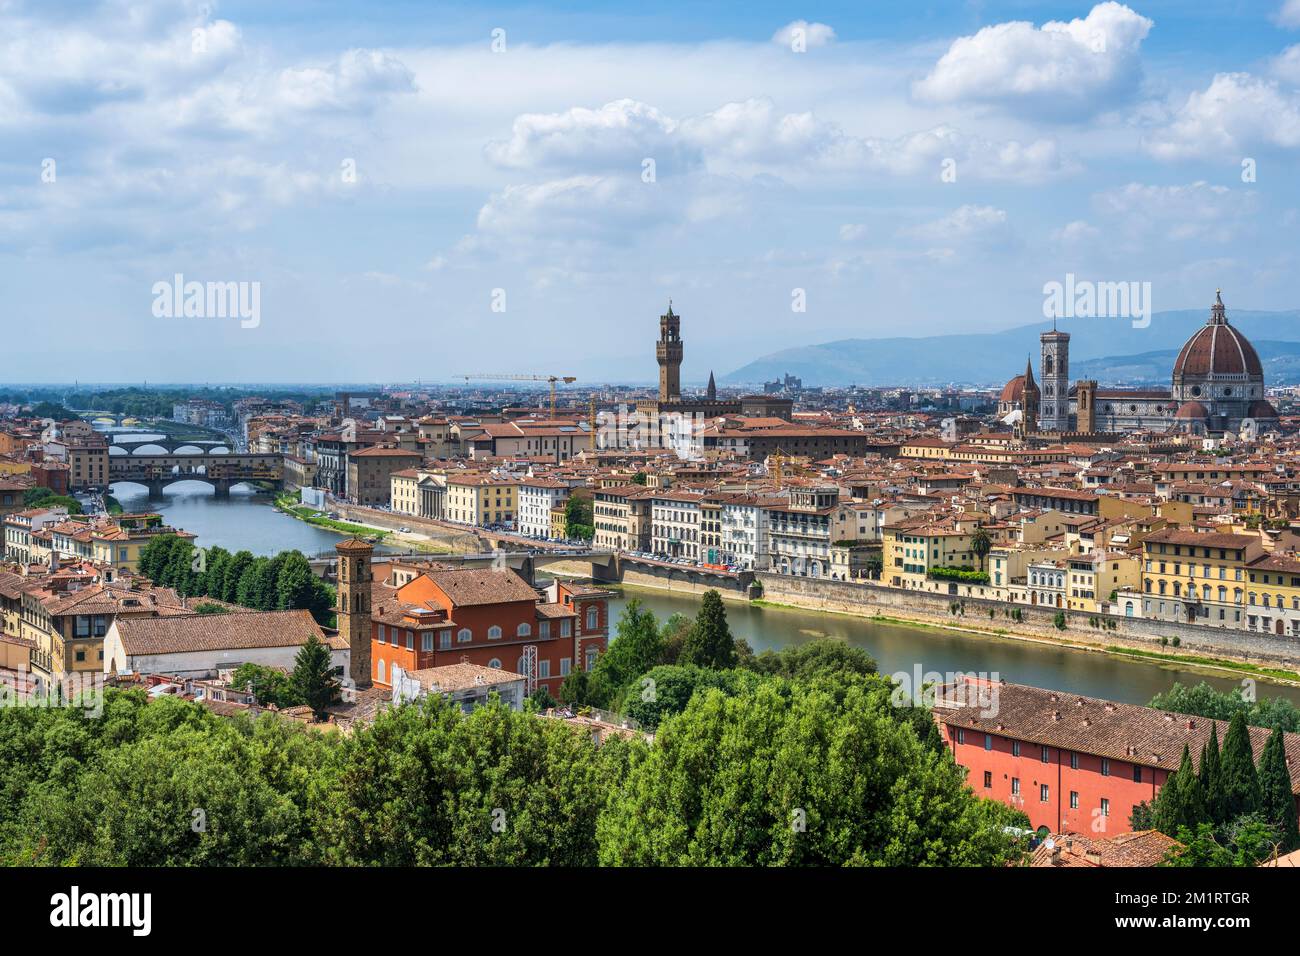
(490,376)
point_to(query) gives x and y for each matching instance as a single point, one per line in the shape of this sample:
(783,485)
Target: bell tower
(668,351)
(353,608)
(1086,410)
(1054,409)
(1028,403)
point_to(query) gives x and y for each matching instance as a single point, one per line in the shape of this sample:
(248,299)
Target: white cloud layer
(1196,211)
(753,138)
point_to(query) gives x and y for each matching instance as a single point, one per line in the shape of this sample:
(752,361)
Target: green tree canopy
(1240,781)
(313,675)
(667,689)
(234,572)
(824,656)
(636,647)
(268,685)
(1180,802)
(710,643)
(1203,700)
(1277,803)
(793,778)
(427,785)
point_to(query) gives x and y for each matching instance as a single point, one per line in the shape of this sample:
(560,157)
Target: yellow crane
(491,376)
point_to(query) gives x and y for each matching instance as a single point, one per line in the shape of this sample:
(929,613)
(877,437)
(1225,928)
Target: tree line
(1227,809)
(651,670)
(281,583)
(785,773)
(1204,701)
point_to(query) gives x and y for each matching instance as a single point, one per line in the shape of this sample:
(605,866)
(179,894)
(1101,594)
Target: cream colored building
(482,500)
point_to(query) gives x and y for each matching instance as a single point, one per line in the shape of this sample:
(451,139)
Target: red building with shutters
(429,616)
(1073,764)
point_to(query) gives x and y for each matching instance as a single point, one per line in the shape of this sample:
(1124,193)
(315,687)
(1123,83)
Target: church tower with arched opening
(1054,406)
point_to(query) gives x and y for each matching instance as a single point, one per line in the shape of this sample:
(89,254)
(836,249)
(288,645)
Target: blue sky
(914,169)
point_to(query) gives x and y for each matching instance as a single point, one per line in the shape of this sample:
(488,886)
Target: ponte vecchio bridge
(221,471)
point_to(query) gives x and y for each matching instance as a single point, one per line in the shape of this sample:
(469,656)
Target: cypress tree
(1211,777)
(235,567)
(1165,810)
(213,579)
(1240,782)
(246,588)
(295,584)
(1276,800)
(710,643)
(1180,802)
(179,572)
(264,581)
(313,676)
(1190,793)
(154,556)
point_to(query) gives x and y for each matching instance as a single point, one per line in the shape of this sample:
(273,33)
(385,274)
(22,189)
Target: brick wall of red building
(1002,766)
(504,652)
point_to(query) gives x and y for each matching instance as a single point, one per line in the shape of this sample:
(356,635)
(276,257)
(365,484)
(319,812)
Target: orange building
(1073,764)
(427,616)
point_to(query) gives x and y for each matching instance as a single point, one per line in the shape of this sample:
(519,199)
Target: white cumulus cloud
(1067,70)
(618,134)
(1236,112)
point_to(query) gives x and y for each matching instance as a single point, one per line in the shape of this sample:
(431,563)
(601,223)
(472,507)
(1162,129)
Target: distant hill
(1109,350)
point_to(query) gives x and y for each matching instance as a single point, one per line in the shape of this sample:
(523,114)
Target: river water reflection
(243,520)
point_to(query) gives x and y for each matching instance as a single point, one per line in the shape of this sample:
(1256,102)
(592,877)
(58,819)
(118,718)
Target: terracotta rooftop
(482,586)
(1139,848)
(1127,732)
(465,676)
(218,632)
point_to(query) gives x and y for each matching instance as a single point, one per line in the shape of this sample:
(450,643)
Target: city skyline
(381,180)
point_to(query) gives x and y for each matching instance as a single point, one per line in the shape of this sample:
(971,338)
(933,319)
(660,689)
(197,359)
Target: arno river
(901,648)
(244,520)
(247,520)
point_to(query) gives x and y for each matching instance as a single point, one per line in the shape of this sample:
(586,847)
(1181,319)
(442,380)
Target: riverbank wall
(977,614)
(453,540)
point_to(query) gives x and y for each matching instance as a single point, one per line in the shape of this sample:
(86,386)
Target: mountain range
(1110,350)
